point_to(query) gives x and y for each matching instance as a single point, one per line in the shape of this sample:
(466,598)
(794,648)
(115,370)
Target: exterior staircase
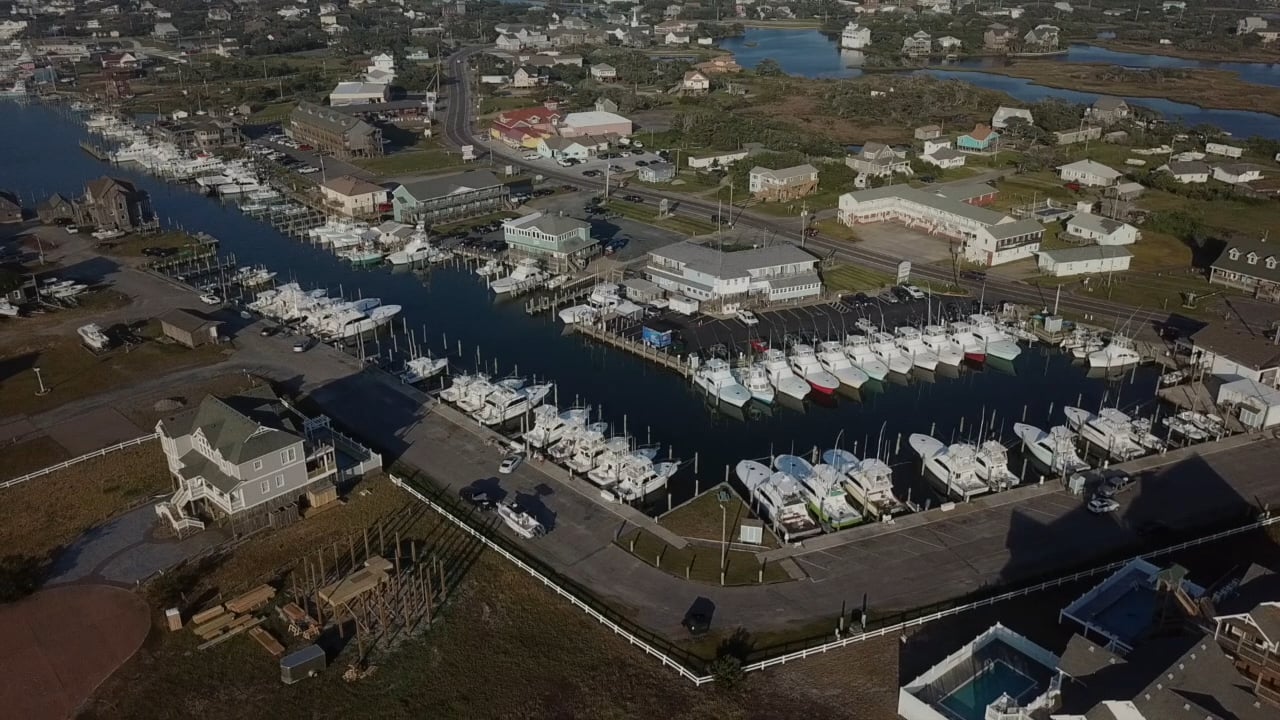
(171,510)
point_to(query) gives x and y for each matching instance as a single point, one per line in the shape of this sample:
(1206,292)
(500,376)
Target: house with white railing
(247,455)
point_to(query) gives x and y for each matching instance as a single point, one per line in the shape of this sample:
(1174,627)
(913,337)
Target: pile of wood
(252,600)
(233,617)
(301,624)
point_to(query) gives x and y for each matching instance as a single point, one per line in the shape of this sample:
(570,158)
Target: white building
(353,197)
(1257,405)
(939,153)
(1000,119)
(1187,172)
(1224,150)
(855,37)
(595,122)
(988,237)
(1101,230)
(775,272)
(1222,349)
(1089,172)
(1086,260)
(948,43)
(715,159)
(357,93)
(560,241)
(927,697)
(783,184)
(562,148)
(695,81)
(1237,173)
(604,72)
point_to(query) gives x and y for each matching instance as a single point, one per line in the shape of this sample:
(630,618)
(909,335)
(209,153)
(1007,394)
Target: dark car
(811,232)
(861,299)
(900,293)
(269,330)
(633,198)
(479,499)
(697,623)
(641,163)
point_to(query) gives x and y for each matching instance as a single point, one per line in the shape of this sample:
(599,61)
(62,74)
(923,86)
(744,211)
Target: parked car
(269,330)
(564,162)
(1113,485)
(1101,506)
(887,297)
(748,318)
(479,499)
(510,463)
(210,299)
(633,198)
(811,232)
(304,344)
(72,229)
(914,292)
(901,293)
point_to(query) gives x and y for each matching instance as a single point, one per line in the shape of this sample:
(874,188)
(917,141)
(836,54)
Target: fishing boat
(1181,426)
(93,337)
(961,333)
(421,368)
(935,338)
(912,345)
(520,521)
(418,249)
(755,378)
(1055,449)
(489,268)
(549,424)
(506,403)
(804,363)
(823,490)
(458,388)
(995,342)
(783,379)
(993,465)
(526,274)
(639,476)
(1118,353)
(890,354)
(782,502)
(832,358)
(1108,433)
(1141,428)
(858,349)
(717,380)
(952,469)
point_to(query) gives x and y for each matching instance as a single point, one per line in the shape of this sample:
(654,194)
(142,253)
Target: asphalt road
(458,131)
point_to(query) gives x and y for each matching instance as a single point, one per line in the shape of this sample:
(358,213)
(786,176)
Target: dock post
(697,486)
(1050,417)
(1024,413)
(897,450)
(1023,474)
(962,425)
(695,464)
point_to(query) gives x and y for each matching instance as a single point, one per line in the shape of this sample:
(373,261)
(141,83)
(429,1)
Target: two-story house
(1108,110)
(879,160)
(241,455)
(114,204)
(695,82)
(997,37)
(785,184)
(919,44)
(563,243)
(1249,265)
(775,272)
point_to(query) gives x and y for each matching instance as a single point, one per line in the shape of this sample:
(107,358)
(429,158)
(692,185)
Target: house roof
(328,118)
(1258,584)
(946,153)
(188,321)
(195,465)
(732,264)
(798,172)
(1241,264)
(359,88)
(1238,168)
(603,68)
(981,132)
(435,187)
(964,191)
(1244,345)
(1193,167)
(101,186)
(352,186)
(659,167)
(1088,252)
(532,115)
(1092,167)
(1109,104)
(1082,658)
(1095,223)
(241,428)
(594,117)
(695,75)
(555,225)
(951,205)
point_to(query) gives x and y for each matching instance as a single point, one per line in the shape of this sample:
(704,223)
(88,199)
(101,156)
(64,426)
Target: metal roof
(434,187)
(716,263)
(1088,252)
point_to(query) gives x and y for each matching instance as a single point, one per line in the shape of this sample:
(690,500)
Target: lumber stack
(267,641)
(252,600)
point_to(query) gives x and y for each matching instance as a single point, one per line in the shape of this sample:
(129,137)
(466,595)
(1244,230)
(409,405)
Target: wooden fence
(75,460)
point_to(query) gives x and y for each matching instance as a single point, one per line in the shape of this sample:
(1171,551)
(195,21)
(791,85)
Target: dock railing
(76,460)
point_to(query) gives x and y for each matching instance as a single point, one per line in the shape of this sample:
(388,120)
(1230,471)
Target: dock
(97,151)
(566,295)
(666,360)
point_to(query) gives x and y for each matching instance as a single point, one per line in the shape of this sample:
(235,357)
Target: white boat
(832,359)
(869,482)
(782,377)
(380,316)
(549,424)
(520,521)
(1120,352)
(587,448)
(717,380)
(1109,433)
(8,309)
(525,274)
(607,466)
(556,281)
(578,314)
(1142,431)
(93,337)
(574,437)
(912,345)
(821,486)
(471,396)
(361,254)
(995,342)
(506,403)
(953,469)
(1211,425)
(804,362)
(1184,427)
(458,388)
(858,349)
(890,354)
(414,251)
(640,476)
(993,465)
(68,289)
(1056,449)
(935,338)
(973,347)
(490,267)
(779,500)
(423,367)
(755,378)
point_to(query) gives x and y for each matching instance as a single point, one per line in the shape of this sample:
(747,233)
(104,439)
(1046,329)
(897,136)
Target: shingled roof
(240,428)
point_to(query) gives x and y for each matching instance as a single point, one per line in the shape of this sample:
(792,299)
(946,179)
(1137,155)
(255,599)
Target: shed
(1125,191)
(641,290)
(1257,405)
(302,664)
(1084,260)
(189,327)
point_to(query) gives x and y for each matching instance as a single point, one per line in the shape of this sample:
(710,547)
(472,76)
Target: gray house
(443,199)
(659,172)
(245,457)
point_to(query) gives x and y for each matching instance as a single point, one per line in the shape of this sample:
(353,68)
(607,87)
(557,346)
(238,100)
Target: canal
(41,154)
(809,53)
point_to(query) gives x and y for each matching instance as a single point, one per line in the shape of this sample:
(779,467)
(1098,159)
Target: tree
(769,67)
(727,670)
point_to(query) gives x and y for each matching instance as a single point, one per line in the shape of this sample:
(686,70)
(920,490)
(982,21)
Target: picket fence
(76,460)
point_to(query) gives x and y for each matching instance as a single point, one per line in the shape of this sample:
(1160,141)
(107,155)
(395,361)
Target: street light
(43,390)
(723,497)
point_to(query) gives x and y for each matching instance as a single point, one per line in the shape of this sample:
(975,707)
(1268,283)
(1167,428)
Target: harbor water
(809,53)
(42,156)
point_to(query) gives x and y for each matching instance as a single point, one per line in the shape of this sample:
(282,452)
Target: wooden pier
(666,360)
(563,296)
(98,152)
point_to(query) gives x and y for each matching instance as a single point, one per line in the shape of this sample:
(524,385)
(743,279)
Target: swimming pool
(970,700)
(1130,615)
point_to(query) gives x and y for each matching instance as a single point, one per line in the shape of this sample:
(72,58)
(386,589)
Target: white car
(564,163)
(531,156)
(210,299)
(915,292)
(72,229)
(1102,506)
(625,153)
(748,318)
(510,463)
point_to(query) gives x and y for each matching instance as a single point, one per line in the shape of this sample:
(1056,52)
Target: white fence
(631,638)
(842,642)
(88,456)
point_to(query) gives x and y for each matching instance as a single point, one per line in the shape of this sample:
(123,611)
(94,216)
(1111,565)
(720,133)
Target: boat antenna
(880,440)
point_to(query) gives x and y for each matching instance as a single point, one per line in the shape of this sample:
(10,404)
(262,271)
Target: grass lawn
(649,214)
(1247,218)
(408,162)
(39,516)
(29,456)
(701,518)
(71,372)
(832,227)
(273,113)
(851,278)
(491,105)
(132,245)
(1028,187)
(700,563)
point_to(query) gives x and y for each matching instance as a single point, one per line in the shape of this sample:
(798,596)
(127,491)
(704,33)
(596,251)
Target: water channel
(39,145)
(809,53)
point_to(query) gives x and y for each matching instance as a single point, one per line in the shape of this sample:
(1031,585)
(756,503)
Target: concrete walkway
(126,551)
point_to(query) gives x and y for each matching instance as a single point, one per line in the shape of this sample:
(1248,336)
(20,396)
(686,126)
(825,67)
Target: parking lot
(637,158)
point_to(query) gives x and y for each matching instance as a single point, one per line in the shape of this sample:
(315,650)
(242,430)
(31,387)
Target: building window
(1253,258)
(265,487)
(257,464)
(1234,253)
(280,481)
(288,456)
